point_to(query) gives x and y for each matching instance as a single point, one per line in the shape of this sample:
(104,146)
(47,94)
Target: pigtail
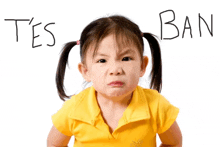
(61,69)
(156,72)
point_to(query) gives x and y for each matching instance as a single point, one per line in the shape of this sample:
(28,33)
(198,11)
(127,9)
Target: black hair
(126,33)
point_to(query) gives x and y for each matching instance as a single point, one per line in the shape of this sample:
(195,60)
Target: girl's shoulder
(75,99)
(158,103)
(151,94)
(154,98)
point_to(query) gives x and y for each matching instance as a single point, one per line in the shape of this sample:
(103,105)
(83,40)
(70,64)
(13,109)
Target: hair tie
(78,42)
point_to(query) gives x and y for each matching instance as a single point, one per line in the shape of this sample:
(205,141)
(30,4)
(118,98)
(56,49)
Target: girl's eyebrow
(123,53)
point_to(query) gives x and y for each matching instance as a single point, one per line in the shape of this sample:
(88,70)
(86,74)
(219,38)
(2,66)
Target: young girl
(114,111)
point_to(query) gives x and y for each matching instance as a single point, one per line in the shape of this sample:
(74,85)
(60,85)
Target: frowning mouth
(116,83)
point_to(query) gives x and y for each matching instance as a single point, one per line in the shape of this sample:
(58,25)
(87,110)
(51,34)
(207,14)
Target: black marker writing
(35,36)
(50,33)
(185,25)
(187,20)
(168,23)
(211,32)
(16,25)
(33,32)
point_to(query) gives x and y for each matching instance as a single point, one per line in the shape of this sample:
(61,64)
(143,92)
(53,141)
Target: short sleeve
(166,114)
(61,120)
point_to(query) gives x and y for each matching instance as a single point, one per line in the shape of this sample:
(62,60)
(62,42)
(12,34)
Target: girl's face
(111,64)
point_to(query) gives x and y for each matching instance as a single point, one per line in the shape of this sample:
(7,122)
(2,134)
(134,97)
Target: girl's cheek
(131,68)
(97,72)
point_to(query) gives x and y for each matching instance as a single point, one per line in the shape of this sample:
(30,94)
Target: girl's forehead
(119,42)
(109,44)
(110,49)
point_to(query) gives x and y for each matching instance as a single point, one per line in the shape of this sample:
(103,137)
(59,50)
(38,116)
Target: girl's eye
(102,61)
(126,58)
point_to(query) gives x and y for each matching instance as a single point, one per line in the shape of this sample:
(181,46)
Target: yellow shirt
(147,114)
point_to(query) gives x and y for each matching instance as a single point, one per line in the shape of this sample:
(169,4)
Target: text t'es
(33,32)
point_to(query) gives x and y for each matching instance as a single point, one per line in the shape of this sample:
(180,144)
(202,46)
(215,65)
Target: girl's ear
(84,71)
(144,65)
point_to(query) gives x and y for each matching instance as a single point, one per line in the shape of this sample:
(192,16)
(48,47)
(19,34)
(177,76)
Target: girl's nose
(116,70)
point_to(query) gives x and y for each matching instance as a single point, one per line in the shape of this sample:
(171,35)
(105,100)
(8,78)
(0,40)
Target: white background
(28,95)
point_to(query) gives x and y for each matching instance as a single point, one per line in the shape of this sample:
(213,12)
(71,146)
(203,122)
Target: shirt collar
(87,109)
